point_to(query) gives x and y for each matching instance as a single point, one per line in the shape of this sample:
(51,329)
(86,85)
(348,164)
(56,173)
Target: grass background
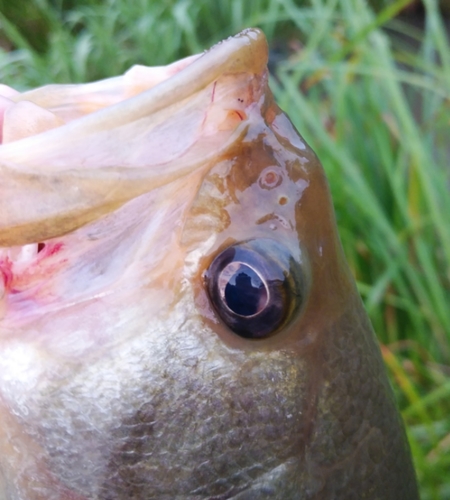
(370,93)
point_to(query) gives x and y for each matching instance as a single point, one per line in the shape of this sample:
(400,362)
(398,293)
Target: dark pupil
(245,293)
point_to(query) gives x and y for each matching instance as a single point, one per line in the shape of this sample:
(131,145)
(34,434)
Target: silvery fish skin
(130,208)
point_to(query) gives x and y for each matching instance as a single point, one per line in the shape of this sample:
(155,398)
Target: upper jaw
(63,178)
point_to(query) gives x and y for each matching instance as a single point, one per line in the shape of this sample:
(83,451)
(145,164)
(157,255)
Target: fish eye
(255,287)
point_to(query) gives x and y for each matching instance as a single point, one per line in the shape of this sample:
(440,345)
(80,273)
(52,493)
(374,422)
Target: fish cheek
(220,428)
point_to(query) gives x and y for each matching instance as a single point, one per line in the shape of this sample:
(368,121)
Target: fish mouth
(61,179)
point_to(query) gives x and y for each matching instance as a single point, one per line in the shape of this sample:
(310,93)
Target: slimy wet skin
(177,317)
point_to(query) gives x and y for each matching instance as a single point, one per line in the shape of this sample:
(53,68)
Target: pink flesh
(133,155)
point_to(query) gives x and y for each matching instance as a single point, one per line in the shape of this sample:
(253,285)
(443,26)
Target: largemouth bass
(177,317)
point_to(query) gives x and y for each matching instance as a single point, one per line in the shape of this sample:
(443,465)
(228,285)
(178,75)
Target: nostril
(40,247)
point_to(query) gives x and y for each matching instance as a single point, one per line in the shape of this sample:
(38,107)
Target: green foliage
(104,38)
(376,109)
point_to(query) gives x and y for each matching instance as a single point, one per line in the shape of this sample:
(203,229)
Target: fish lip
(246,52)
(40,162)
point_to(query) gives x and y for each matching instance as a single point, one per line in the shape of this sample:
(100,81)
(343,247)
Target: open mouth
(63,178)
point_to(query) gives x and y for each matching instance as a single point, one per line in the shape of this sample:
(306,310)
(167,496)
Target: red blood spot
(27,275)
(54,248)
(6,273)
(45,250)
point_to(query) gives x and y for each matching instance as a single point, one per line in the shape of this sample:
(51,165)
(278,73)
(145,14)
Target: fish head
(177,317)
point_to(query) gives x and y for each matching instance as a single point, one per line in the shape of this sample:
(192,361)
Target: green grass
(375,108)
